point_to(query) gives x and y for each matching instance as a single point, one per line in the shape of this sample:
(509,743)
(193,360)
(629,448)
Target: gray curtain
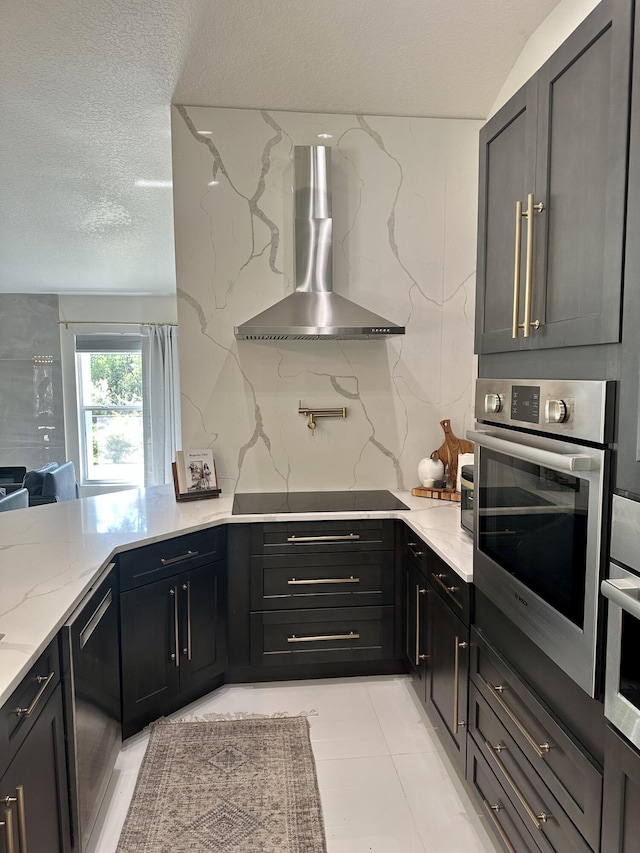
(162,400)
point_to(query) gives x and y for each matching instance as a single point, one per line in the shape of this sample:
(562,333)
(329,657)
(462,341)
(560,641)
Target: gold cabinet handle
(493,814)
(419,591)
(306,540)
(539,748)
(187,588)
(8,830)
(43,681)
(537,819)
(175,657)
(530,212)
(310,581)
(457,645)
(352,635)
(516,271)
(448,589)
(22,821)
(179,559)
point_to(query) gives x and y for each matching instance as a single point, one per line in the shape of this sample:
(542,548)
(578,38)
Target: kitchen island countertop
(51,556)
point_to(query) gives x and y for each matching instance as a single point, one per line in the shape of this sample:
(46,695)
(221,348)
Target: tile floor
(385,784)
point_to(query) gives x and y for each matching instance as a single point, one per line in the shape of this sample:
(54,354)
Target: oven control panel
(580,410)
(525,403)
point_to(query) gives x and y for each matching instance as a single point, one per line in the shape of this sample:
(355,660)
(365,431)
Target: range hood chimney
(313,311)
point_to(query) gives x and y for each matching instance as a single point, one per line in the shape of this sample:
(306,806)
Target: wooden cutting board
(451,448)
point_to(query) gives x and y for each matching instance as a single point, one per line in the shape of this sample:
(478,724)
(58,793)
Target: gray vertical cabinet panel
(507,162)
(620,812)
(583,113)
(628,456)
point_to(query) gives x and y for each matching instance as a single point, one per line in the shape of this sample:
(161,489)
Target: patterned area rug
(233,786)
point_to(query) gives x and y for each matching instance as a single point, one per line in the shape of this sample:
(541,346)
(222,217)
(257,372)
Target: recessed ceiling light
(213,183)
(205,132)
(143,182)
(325,136)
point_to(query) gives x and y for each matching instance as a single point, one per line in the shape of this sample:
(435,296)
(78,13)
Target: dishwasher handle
(95,618)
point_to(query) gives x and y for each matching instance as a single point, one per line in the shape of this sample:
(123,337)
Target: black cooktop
(253,503)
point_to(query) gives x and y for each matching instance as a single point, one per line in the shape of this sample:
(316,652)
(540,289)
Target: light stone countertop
(51,556)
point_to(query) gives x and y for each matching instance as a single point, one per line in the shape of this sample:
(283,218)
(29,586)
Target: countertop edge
(20,657)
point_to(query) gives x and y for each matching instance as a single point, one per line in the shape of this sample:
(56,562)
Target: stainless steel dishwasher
(92,682)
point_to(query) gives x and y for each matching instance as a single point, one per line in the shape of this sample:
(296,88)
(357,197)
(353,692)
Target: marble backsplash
(404,211)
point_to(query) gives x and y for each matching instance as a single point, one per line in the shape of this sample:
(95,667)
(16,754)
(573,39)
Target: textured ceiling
(86,85)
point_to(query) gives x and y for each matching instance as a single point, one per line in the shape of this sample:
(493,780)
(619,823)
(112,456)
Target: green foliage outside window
(117,378)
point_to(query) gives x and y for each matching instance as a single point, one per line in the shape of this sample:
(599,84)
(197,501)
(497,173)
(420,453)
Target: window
(110,404)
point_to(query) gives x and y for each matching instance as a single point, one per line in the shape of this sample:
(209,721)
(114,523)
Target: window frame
(95,344)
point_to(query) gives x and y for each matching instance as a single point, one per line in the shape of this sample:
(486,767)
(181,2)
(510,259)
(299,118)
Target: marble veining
(404,215)
(52,555)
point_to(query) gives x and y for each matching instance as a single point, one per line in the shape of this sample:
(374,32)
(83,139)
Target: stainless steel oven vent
(313,311)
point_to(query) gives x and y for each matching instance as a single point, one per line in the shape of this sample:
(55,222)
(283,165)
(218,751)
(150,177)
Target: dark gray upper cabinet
(507,169)
(561,141)
(628,456)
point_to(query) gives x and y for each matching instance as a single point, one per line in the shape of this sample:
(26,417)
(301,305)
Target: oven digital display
(525,403)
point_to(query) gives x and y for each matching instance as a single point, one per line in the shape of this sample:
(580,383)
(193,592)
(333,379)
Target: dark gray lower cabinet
(173,642)
(621,802)
(436,641)
(33,774)
(448,674)
(552,784)
(312,599)
(416,591)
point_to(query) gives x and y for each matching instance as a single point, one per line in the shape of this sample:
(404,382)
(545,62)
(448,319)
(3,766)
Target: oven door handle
(547,458)
(624,593)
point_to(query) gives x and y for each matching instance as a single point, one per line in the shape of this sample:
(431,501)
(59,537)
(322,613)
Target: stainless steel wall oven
(541,496)
(622,588)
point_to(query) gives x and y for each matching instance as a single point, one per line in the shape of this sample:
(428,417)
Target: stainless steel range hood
(313,311)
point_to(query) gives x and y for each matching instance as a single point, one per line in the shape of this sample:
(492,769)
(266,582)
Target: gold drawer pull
(457,645)
(22,821)
(493,814)
(448,589)
(179,559)
(539,748)
(8,830)
(537,819)
(305,540)
(311,581)
(411,546)
(352,635)
(43,681)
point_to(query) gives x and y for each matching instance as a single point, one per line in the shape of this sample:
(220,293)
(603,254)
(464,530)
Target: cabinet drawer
(415,551)
(155,562)
(502,816)
(321,536)
(290,581)
(301,637)
(561,763)
(450,587)
(30,696)
(538,808)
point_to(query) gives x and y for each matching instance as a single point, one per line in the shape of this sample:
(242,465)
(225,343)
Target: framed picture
(195,474)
